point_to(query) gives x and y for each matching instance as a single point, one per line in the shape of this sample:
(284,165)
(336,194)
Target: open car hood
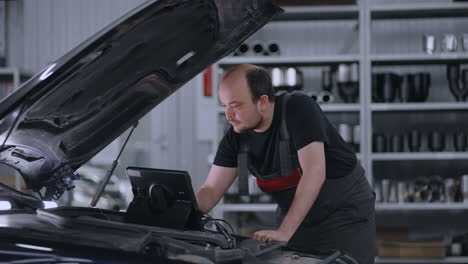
(76,106)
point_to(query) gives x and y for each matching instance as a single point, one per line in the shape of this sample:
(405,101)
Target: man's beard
(257,125)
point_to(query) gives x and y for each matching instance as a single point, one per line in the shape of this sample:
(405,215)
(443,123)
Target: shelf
(340,107)
(8,71)
(422,260)
(318,13)
(422,10)
(419,58)
(378,206)
(420,206)
(249,207)
(419,106)
(419,156)
(288,60)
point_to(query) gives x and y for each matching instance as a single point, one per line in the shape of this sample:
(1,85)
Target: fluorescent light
(185,58)
(33,247)
(5,205)
(47,72)
(48,204)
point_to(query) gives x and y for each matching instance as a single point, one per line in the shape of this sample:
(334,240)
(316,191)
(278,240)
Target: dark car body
(76,106)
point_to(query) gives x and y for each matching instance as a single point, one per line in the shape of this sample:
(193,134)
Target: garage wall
(40,32)
(53,27)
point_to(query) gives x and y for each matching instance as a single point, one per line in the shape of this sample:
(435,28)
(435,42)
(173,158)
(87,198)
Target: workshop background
(392,75)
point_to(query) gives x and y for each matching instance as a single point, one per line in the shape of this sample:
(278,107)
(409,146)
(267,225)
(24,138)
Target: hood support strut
(104,183)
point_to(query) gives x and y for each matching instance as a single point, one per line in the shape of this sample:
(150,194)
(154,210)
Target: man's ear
(263,100)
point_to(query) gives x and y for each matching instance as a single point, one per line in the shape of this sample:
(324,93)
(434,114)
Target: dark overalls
(342,216)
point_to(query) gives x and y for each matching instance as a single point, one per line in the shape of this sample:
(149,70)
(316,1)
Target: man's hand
(272,235)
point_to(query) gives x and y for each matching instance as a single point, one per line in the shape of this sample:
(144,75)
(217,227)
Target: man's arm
(312,160)
(218,181)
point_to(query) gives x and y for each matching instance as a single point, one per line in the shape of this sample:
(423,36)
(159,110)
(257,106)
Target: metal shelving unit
(400,14)
(365,13)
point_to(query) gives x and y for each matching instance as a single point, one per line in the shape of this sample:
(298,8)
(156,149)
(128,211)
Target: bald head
(257,80)
(248,98)
(239,70)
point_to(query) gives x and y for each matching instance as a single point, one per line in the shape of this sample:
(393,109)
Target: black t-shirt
(306,123)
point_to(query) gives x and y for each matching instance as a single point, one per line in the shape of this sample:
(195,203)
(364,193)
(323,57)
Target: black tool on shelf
(465,81)
(459,91)
(414,140)
(379,143)
(390,87)
(377,96)
(460,141)
(436,188)
(406,88)
(396,143)
(421,85)
(422,192)
(436,141)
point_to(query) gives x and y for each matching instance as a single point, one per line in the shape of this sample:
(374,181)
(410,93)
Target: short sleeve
(226,155)
(305,121)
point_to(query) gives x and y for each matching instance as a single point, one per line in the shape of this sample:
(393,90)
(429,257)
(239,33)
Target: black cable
(227,223)
(222,230)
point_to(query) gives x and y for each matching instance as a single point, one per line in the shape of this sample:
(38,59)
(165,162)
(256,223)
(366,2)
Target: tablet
(176,182)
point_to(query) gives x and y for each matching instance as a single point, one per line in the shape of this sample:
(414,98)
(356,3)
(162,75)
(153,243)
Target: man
(325,201)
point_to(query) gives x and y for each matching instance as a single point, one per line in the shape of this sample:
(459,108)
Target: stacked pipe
(258,48)
(286,78)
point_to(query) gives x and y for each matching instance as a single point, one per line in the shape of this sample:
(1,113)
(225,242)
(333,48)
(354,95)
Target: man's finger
(256,236)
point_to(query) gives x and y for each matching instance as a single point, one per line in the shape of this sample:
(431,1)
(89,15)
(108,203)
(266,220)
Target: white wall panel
(14,33)
(406,35)
(297,38)
(54,27)
(166,137)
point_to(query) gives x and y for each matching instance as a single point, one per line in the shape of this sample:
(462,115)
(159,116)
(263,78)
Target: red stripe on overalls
(280,184)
